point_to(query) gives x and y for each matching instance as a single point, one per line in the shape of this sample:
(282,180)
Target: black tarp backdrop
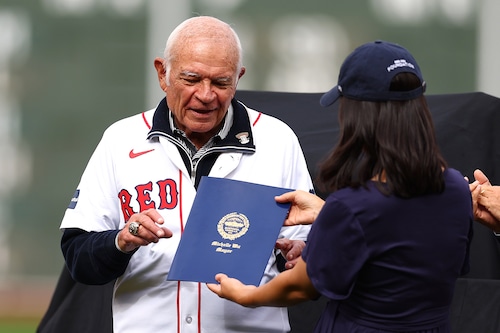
(468,135)
(467,129)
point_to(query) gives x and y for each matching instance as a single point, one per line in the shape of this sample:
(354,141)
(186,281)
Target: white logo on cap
(400,63)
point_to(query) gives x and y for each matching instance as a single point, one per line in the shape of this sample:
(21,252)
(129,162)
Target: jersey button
(189,320)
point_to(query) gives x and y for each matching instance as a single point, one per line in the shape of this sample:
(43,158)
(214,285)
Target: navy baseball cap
(367,72)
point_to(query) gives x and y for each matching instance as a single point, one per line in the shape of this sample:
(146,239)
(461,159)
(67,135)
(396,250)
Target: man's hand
(291,250)
(149,231)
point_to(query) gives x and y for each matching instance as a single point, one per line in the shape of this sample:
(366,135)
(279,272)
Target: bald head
(195,32)
(199,74)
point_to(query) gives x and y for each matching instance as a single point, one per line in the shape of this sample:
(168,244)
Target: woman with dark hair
(380,138)
(389,242)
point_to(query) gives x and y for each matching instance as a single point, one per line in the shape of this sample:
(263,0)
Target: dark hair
(395,139)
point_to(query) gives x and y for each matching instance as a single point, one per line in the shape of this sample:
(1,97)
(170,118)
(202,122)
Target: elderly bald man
(129,210)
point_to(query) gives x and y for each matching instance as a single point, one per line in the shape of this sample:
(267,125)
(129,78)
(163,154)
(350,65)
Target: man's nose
(205,92)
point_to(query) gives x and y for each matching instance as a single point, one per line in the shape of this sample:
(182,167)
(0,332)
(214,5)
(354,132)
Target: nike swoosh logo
(133,154)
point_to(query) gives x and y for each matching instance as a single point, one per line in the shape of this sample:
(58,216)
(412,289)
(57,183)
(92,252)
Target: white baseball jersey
(130,172)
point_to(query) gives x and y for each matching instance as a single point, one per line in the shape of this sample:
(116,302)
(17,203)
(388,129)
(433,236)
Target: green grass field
(18,326)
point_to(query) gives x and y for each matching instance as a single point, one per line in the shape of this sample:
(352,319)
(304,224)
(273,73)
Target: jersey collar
(239,133)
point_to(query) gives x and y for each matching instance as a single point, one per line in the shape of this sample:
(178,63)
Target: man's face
(202,82)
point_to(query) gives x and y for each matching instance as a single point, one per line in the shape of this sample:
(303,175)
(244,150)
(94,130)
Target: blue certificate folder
(232,228)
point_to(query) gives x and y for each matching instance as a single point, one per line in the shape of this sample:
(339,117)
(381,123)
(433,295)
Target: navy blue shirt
(388,263)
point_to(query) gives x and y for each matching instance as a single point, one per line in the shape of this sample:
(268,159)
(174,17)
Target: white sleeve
(95,205)
(298,178)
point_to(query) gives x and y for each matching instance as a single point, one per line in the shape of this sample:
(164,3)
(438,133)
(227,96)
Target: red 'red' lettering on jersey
(125,198)
(169,195)
(167,192)
(144,196)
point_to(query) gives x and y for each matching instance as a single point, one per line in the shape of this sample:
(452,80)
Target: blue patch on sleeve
(74,200)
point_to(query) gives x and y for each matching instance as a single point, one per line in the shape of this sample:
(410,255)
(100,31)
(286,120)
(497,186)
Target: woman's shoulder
(454,176)
(360,194)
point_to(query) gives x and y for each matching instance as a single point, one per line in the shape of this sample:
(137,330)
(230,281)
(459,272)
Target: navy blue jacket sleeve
(92,257)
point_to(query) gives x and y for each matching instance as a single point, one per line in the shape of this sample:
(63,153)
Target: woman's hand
(304,209)
(232,289)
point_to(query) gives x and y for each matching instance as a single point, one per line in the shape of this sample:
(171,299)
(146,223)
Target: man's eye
(222,84)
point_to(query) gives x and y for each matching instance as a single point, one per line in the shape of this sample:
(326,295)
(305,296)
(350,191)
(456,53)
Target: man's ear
(242,72)
(159,64)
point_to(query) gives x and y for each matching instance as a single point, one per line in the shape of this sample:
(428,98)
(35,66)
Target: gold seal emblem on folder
(233,225)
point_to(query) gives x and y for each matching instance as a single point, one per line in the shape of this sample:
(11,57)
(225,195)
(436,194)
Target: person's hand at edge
(485,201)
